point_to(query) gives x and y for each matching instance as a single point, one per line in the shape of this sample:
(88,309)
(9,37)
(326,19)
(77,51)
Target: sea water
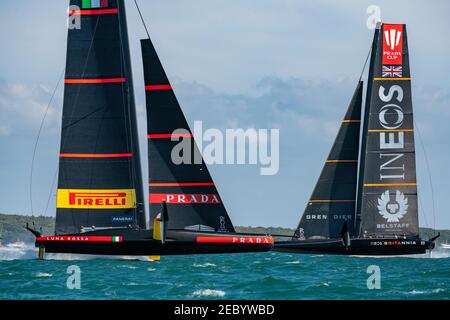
(236,276)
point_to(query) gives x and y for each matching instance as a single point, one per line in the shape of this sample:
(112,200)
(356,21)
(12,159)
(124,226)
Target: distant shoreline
(12,229)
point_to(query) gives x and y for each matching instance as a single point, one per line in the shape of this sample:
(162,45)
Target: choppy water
(239,276)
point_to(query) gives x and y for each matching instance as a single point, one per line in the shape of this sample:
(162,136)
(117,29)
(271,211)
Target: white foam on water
(132,284)
(437,253)
(30,252)
(43,275)
(438,290)
(204,265)
(293,262)
(69,257)
(440,253)
(127,266)
(72,256)
(208,293)
(9,253)
(151,269)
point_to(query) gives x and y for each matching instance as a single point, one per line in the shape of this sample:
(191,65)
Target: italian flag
(116,239)
(89,4)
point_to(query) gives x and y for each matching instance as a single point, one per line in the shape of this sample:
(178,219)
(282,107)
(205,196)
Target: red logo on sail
(98,199)
(393,44)
(185,198)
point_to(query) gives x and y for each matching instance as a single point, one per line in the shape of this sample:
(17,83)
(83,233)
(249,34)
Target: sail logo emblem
(393,44)
(392,71)
(96,199)
(222,222)
(392,38)
(392,209)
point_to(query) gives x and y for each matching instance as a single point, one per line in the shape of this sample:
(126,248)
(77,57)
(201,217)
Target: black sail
(192,199)
(100,183)
(332,203)
(388,196)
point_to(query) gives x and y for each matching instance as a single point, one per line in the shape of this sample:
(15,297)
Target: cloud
(297,106)
(4,131)
(22,107)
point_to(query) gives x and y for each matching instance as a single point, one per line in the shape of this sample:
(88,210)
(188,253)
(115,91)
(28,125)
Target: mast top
(379,23)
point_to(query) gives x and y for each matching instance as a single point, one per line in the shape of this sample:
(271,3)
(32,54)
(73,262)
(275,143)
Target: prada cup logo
(392,44)
(392,38)
(393,210)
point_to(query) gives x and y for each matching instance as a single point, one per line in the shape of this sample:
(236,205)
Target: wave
(131,284)
(43,275)
(208,293)
(127,266)
(204,265)
(73,256)
(435,254)
(9,253)
(438,290)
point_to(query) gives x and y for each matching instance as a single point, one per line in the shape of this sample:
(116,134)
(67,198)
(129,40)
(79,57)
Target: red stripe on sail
(184,198)
(90,155)
(169,135)
(94,81)
(236,240)
(156,87)
(182,184)
(92,12)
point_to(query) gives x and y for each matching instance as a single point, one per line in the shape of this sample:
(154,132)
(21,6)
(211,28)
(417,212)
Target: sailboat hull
(363,247)
(141,243)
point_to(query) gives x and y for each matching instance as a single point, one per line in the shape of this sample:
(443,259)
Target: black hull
(363,247)
(140,243)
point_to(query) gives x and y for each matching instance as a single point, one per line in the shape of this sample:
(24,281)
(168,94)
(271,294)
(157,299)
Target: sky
(282,64)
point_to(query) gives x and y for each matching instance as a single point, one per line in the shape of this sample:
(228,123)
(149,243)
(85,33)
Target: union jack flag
(392,71)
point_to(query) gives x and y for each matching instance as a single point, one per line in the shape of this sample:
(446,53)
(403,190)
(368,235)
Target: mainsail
(388,192)
(99,182)
(193,202)
(332,203)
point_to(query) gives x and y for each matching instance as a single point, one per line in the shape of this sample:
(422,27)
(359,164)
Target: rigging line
(365,63)
(38,137)
(358,215)
(127,90)
(422,209)
(428,172)
(142,18)
(51,191)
